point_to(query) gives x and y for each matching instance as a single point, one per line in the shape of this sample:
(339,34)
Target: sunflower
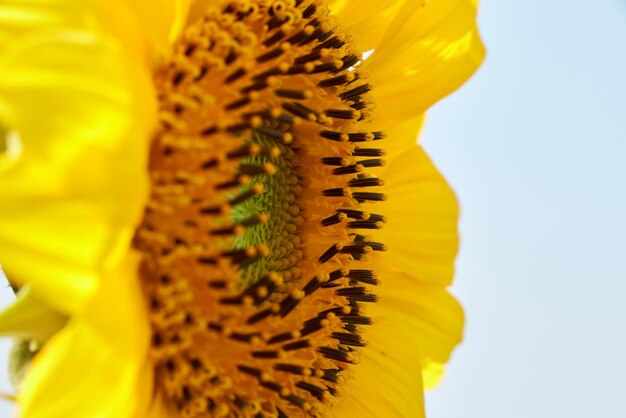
(218,208)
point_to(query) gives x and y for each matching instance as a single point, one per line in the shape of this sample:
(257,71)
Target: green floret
(277,201)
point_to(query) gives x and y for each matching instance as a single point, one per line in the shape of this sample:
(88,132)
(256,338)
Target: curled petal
(388,380)
(96,366)
(422,215)
(427,53)
(78,105)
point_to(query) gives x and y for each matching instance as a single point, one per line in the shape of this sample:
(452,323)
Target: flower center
(255,265)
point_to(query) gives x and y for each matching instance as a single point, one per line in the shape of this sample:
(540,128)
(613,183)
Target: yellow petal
(59,248)
(367,20)
(422,214)
(18,17)
(387,382)
(96,366)
(427,53)
(80,106)
(433,318)
(400,135)
(28,318)
(79,375)
(24,17)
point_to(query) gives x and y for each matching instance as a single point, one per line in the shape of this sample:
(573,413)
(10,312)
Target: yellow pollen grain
(275,112)
(221,410)
(258,188)
(262,292)
(248,301)
(226,383)
(263,250)
(298,294)
(270,169)
(275,152)
(255,149)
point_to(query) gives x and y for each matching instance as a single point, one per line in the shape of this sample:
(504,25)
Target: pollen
(254,241)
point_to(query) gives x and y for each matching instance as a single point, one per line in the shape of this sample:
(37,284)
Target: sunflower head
(267,239)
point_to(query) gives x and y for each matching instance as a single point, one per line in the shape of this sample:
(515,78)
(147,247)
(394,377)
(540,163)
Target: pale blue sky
(535,146)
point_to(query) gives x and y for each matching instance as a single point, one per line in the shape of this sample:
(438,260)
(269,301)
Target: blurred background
(535,146)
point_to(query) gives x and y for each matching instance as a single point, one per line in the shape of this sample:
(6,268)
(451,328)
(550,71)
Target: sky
(535,147)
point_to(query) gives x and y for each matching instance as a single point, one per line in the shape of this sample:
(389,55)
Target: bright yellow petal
(96,366)
(366,20)
(59,248)
(79,105)
(422,214)
(79,375)
(433,317)
(422,241)
(427,53)
(416,327)
(29,318)
(18,17)
(387,382)
(24,17)
(400,134)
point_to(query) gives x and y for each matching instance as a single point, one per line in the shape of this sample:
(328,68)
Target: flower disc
(254,239)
